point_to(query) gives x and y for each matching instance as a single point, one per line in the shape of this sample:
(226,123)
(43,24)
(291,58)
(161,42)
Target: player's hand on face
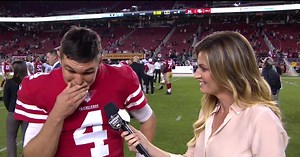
(70,98)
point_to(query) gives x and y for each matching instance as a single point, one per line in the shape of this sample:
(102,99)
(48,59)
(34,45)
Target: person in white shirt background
(149,77)
(157,71)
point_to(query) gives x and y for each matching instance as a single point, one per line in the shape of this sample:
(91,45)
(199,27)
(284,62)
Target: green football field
(176,113)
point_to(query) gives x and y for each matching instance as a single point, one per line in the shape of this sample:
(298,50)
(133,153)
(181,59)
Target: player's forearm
(148,128)
(46,141)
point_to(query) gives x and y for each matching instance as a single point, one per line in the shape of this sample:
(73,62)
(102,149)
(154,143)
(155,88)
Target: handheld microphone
(120,119)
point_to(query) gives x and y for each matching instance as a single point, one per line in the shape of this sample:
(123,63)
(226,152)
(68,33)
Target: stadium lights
(134,8)
(125,10)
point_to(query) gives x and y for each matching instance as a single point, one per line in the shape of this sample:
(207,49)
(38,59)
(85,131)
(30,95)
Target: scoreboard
(153,13)
(163,12)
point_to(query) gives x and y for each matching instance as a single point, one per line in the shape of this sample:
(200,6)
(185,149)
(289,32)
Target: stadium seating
(145,37)
(282,36)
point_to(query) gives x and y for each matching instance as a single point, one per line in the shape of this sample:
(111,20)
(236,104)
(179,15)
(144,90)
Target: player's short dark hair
(80,44)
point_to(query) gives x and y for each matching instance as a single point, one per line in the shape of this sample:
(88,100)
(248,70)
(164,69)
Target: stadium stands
(277,33)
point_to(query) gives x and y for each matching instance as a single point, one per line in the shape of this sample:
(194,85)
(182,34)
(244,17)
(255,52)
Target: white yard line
(2,108)
(178,118)
(292,83)
(176,79)
(4,149)
(292,78)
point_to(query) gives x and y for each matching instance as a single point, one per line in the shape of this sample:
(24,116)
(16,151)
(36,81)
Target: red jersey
(86,132)
(6,67)
(169,65)
(38,66)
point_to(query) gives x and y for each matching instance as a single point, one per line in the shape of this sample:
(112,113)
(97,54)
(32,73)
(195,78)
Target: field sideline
(176,113)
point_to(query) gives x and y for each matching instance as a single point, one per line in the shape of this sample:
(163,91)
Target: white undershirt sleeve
(142,114)
(32,130)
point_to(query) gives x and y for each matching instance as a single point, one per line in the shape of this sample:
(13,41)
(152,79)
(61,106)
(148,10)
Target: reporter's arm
(157,152)
(138,138)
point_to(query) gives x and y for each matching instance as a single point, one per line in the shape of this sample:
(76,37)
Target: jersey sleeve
(26,109)
(135,97)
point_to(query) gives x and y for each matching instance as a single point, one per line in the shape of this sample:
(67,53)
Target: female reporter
(238,117)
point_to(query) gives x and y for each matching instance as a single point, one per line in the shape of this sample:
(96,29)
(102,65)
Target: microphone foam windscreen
(111,109)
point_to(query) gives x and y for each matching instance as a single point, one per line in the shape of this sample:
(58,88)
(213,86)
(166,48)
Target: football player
(30,66)
(38,65)
(6,69)
(65,108)
(168,65)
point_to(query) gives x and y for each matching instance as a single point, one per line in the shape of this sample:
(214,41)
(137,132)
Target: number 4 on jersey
(97,136)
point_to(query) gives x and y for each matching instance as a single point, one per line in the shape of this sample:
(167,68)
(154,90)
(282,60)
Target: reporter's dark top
(10,94)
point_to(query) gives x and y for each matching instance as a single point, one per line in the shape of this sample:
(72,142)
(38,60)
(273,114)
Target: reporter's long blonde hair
(233,65)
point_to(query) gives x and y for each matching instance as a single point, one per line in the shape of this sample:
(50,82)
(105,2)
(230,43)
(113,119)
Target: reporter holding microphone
(238,117)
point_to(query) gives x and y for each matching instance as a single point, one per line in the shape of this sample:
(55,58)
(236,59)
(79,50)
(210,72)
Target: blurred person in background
(157,71)
(149,76)
(168,66)
(272,76)
(6,69)
(46,67)
(38,65)
(9,98)
(29,64)
(138,68)
(238,117)
(53,58)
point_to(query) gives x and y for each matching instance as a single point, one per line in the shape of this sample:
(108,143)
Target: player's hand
(69,99)
(134,139)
